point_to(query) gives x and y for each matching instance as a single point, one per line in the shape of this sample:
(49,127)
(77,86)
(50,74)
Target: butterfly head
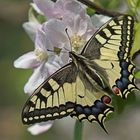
(75,57)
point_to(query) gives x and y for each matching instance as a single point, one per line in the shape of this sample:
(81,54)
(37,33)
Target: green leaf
(35,17)
(41,18)
(31,16)
(108,4)
(90,11)
(134,6)
(137,74)
(119,104)
(131,99)
(78,130)
(136,44)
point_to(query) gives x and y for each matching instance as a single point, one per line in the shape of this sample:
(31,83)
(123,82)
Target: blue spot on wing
(125,73)
(79,109)
(87,110)
(124,65)
(119,84)
(125,81)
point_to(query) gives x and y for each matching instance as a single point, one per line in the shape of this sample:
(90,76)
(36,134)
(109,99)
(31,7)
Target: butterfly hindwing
(54,99)
(68,92)
(110,48)
(95,112)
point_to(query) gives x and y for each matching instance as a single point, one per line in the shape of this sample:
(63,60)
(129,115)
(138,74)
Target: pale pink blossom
(60,8)
(43,59)
(73,14)
(31,29)
(40,128)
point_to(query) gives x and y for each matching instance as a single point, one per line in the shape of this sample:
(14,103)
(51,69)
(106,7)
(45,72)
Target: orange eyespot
(106,99)
(116,90)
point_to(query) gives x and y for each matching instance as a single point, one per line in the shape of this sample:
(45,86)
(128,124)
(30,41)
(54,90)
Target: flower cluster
(66,27)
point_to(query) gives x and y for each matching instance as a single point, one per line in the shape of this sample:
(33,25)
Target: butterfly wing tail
(97,112)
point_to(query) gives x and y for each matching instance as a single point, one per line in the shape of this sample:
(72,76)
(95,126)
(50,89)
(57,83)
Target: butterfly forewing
(54,99)
(110,48)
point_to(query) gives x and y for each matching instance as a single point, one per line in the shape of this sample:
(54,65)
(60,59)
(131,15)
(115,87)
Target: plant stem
(78,130)
(99,9)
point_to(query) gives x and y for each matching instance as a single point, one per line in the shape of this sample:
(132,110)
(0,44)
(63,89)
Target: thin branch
(99,9)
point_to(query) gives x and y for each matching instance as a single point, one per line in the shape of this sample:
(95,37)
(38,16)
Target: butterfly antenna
(66,30)
(50,50)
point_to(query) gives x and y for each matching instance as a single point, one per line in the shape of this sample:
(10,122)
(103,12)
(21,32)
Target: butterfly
(83,88)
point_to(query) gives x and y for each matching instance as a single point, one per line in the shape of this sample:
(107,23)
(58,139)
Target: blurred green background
(13,43)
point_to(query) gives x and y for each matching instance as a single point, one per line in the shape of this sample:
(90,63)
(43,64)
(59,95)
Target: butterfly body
(88,70)
(82,88)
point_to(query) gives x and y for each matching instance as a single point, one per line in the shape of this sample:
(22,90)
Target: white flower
(60,8)
(34,6)
(40,128)
(80,30)
(73,14)
(44,60)
(31,29)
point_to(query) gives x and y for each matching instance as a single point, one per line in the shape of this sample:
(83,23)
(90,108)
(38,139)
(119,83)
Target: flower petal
(40,128)
(46,6)
(31,29)
(73,6)
(26,61)
(39,75)
(36,8)
(42,41)
(56,32)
